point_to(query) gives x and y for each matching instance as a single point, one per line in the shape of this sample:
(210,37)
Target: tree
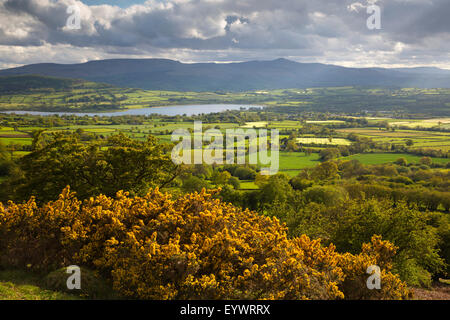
(261,180)
(401,161)
(245,173)
(39,139)
(220,178)
(6,164)
(325,171)
(201,170)
(292,146)
(351,168)
(277,189)
(327,195)
(299,183)
(426,161)
(3,151)
(194,184)
(329,154)
(233,181)
(350,223)
(92,168)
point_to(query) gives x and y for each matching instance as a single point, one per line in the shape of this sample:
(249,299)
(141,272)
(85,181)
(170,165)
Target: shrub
(401,161)
(298,183)
(193,247)
(426,161)
(351,223)
(193,183)
(328,195)
(245,173)
(234,182)
(277,189)
(379,253)
(31,236)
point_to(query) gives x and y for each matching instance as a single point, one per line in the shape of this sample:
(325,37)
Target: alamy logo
(74,281)
(374,21)
(374,281)
(191,149)
(74,20)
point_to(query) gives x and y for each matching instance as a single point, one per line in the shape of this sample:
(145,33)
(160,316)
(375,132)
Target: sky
(412,32)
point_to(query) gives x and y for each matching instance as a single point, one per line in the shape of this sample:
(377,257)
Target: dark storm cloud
(411,21)
(332,31)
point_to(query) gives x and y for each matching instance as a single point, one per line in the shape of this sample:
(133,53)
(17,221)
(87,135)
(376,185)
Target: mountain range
(163,74)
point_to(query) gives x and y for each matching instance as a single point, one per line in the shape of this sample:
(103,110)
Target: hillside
(23,83)
(41,93)
(19,84)
(161,74)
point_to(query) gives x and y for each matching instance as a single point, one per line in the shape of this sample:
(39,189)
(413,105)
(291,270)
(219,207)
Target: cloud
(330,31)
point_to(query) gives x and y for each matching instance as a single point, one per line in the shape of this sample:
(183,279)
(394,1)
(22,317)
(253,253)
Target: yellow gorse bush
(193,247)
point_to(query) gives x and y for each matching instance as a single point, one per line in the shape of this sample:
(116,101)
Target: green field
(443,123)
(322,141)
(248,185)
(290,162)
(421,139)
(381,158)
(297,160)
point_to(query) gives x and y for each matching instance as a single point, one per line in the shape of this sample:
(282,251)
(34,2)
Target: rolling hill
(44,93)
(161,74)
(26,83)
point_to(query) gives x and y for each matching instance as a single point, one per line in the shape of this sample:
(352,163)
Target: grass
(325,121)
(260,124)
(19,285)
(290,163)
(22,141)
(297,160)
(248,185)
(321,141)
(290,173)
(381,158)
(421,139)
(428,123)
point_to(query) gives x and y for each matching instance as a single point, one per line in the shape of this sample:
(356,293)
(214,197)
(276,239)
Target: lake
(168,111)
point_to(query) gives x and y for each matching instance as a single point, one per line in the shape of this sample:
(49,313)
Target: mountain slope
(21,83)
(160,74)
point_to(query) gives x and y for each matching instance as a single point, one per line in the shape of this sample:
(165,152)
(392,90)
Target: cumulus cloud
(330,31)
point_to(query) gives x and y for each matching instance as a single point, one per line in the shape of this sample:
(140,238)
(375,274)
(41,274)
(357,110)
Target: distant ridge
(163,74)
